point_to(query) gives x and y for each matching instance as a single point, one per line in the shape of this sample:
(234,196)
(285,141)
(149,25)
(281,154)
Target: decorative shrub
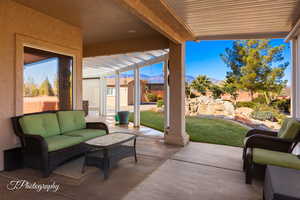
(160,103)
(248,104)
(263,115)
(152,97)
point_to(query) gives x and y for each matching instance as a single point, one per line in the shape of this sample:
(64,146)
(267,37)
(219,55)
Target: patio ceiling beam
(97,69)
(243,36)
(96,65)
(148,62)
(105,67)
(102,67)
(160,17)
(295,31)
(126,46)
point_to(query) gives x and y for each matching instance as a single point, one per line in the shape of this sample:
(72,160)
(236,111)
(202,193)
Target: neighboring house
(156,88)
(127,89)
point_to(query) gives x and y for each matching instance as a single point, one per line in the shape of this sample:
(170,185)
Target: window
(47,81)
(111,91)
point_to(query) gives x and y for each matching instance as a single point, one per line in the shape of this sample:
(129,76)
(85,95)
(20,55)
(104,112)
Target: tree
(201,84)
(230,87)
(46,88)
(30,88)
(217,91)
(251,64)
(188,90)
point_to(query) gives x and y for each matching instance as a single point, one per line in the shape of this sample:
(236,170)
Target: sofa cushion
(45,124)
(71,120)
(86,134)
(57,142)
(267,157)
(291,130)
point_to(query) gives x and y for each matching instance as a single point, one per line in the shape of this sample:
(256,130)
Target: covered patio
(101,38)
(163,172)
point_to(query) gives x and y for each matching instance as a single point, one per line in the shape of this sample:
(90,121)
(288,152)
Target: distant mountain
(215,81)
(153,79)
(189,78)
(160,78)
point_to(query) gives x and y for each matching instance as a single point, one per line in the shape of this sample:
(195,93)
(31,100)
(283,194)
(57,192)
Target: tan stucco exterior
(17,21)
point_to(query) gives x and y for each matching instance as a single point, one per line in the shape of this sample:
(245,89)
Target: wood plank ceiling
(235,19)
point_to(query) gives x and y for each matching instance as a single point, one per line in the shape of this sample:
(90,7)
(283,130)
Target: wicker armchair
(284,140)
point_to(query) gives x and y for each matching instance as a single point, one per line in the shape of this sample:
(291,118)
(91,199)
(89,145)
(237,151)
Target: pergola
(101,66)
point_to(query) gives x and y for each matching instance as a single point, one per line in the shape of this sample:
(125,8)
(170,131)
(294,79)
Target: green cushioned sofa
(266,145)
(50,138)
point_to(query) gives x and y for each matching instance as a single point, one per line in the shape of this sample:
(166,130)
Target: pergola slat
(105,65)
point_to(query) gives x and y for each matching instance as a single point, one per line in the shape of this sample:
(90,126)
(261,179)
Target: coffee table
(105,151)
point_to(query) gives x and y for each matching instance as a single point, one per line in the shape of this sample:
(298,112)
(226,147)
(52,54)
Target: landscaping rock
(204,105)
(244,111)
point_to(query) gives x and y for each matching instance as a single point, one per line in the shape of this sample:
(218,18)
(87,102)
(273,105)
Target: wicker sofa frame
(35,149)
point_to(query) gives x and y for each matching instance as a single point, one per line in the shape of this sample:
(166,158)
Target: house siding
(18,19)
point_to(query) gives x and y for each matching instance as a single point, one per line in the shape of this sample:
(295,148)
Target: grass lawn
(216,131)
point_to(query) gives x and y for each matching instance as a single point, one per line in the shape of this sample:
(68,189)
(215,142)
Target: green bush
(263,115)
(160,103)
(248,104)
(152,97)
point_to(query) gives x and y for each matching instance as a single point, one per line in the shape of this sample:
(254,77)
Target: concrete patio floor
(164,172)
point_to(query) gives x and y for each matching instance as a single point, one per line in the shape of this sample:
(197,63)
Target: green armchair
(284,141)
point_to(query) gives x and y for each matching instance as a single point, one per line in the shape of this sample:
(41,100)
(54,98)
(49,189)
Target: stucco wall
(17,19)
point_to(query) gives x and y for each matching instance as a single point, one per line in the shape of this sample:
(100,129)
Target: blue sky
(42,70)
(202,58)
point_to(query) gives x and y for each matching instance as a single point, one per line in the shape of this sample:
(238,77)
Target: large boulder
(244,111)
(204,105)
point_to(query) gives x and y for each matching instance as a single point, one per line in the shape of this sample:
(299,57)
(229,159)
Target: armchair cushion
(71,120)
(267,157)
(45,124)
(291,130)
(86,134)
(283,126)
(61,141)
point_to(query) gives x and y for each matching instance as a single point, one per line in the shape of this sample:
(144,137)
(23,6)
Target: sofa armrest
(269,142)
(35,144)
(261,132)
(97,125)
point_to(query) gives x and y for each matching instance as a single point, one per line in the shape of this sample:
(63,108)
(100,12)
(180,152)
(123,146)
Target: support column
(166,97)
(295,86)
(177,134)
(137,97)
(295,96)
(102,96)
(117,95)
